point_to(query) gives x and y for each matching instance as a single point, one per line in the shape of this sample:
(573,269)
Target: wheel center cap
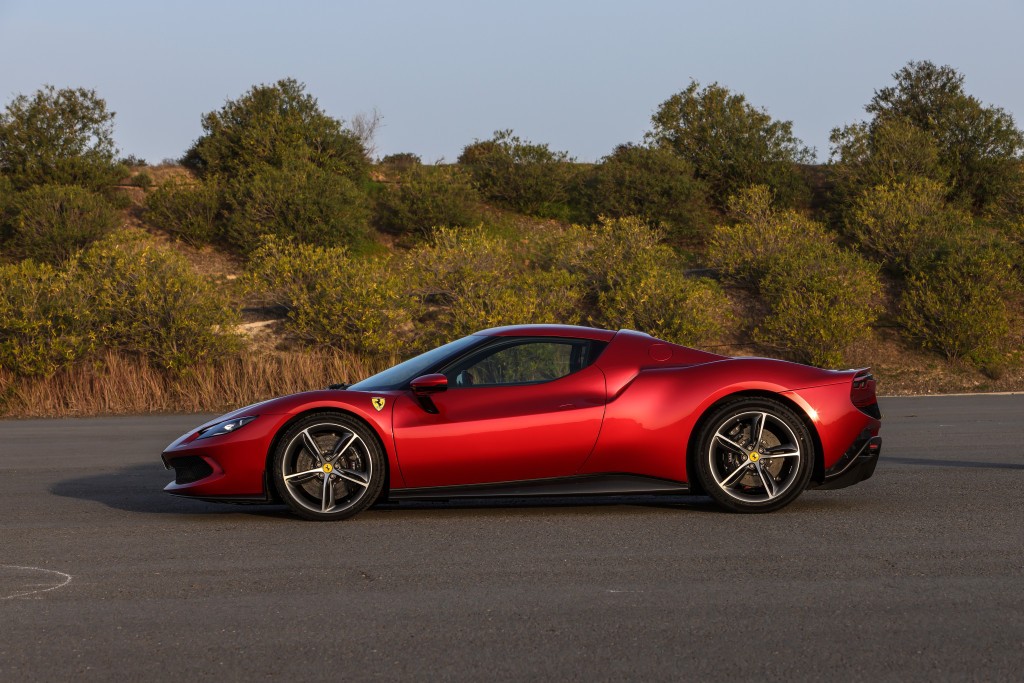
(754,457)
(328,467)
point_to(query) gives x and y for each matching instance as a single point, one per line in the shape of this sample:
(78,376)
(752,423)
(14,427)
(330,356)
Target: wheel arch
(267,464)
(817,474)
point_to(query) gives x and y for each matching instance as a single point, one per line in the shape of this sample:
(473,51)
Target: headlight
(226,427)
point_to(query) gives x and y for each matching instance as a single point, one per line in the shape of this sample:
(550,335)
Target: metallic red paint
(632,411)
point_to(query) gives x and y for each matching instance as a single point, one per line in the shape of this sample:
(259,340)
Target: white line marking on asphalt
(22,594)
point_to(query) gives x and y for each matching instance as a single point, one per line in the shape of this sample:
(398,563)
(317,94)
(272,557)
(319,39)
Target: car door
(518,409)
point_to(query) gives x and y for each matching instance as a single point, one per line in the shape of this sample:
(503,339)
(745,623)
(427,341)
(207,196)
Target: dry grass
(123,385)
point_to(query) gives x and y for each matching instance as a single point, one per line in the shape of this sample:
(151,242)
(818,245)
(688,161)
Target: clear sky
(581,75)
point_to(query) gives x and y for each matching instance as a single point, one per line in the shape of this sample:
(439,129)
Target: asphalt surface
(916,574)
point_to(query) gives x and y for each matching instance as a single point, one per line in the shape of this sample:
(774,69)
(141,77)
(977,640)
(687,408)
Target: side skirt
(580,485)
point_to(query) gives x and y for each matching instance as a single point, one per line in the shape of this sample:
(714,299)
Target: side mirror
(429,384)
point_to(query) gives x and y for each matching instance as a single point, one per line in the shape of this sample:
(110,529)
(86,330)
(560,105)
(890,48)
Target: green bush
(630,278)
(46,320)
(280,126)
(467,280)
(652,183)
(669,305)
(7,214)
(730,143)
(427,197)
(979,145)
(59,137)
(53,222)
(883,153)
(147,300)
(401,162)
(959,306)
(761,233)
(308,204)
(141,180)
(282,167)
(904,223)
(188,211)
(820,302)
(520,175)
(333,299)
(820,298)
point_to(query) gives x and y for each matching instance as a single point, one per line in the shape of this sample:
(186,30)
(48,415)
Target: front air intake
(190,468)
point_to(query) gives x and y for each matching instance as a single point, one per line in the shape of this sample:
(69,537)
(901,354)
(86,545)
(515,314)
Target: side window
(526,363)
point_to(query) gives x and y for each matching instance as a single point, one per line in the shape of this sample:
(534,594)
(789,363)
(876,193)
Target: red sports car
(538,410)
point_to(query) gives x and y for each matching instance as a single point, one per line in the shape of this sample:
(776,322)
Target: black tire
(356,475)
(742,478)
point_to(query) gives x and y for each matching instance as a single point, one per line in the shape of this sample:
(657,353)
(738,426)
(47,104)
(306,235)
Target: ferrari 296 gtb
(543,410)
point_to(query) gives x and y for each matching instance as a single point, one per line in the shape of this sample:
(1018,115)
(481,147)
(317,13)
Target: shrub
(958,306)
(730,143)
(62,137)
(820,298)
(46,322)
(427,197)
(652,183)
(523,176)
(669,305)
(332,299)
(979,145)
(7,195)
(148,301)
(54,221)
(308,204)
(745,250)
(630,279)
(401,162)
(280,126)
(467,280)
(188,211)
(820,301)
(889,151)
(904,223)
(141,180)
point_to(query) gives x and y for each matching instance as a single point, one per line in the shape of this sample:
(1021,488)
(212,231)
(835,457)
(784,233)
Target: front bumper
(228,467)
(855,466)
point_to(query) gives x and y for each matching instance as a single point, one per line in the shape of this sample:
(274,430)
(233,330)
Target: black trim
(853,470)
(579,485)
(234,500)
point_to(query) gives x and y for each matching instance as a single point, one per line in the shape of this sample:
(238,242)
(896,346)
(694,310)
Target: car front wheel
(328,466)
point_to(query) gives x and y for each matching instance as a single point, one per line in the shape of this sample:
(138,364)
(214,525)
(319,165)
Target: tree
(730,143)
(281,166)
(524,176)
(978,147)
(652,183)
(61,137)
(892,151)
(277,125)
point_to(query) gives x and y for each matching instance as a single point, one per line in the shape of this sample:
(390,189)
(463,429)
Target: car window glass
(528,363)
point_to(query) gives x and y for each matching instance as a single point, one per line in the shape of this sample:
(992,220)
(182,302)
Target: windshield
(398,376)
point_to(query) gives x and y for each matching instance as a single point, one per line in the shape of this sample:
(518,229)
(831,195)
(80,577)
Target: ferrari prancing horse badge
(378,402)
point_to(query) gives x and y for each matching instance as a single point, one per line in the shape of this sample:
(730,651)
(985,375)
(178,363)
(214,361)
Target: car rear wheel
(754,455)
(328,466)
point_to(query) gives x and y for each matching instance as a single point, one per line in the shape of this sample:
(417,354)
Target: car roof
(570,331)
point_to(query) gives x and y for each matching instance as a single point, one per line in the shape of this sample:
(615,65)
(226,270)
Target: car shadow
(138,489)
(936,462)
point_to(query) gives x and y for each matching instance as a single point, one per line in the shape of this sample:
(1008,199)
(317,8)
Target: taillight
(862,393)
